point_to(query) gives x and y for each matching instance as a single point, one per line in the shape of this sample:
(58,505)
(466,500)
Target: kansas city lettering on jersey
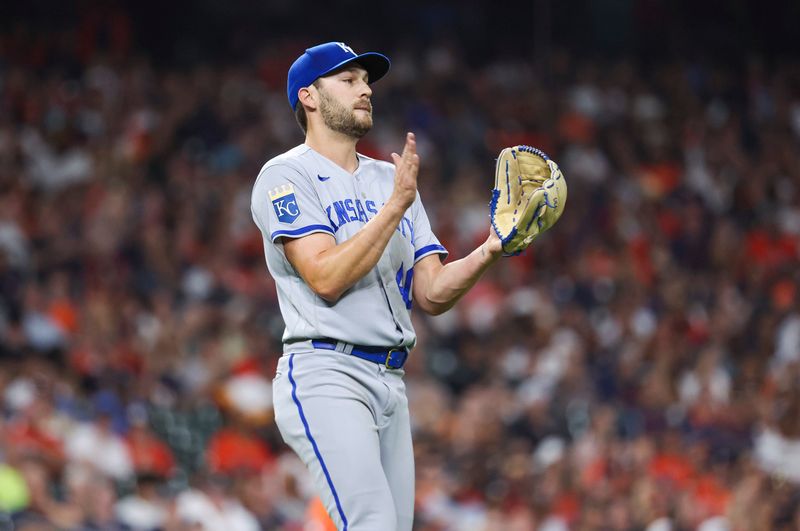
(349,210)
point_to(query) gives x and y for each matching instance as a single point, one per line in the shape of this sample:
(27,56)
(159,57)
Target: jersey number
(404,284)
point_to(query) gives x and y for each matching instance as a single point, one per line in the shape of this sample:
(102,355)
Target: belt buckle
(389,357)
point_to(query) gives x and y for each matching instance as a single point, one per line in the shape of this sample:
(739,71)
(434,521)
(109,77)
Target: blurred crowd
(639,368)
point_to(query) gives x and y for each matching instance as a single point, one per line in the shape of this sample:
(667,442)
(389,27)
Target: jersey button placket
(359,189)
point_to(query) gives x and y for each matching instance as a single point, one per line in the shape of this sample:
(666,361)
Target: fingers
(406,168)
(409,157)
(405,162)
(411,144)
(410,149)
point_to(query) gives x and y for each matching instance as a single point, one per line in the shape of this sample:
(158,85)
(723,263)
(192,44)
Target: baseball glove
(528,197)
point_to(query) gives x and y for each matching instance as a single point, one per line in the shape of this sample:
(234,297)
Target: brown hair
(300,112)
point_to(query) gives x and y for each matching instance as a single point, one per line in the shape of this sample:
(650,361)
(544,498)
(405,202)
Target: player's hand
(405,174)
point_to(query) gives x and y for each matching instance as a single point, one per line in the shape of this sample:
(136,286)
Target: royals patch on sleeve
(285,203)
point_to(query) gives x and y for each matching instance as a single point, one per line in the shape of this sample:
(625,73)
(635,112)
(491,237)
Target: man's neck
(338,148)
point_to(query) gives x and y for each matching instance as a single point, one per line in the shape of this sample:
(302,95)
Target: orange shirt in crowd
(230,450)
(318,517)
(149,453)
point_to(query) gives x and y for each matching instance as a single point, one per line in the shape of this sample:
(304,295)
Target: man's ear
(308,97)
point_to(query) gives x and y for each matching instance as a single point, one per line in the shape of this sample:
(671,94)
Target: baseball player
(351,250)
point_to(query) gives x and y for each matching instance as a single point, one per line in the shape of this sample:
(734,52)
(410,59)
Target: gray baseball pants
(347,419)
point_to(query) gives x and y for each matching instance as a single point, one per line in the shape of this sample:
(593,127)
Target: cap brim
(374,63)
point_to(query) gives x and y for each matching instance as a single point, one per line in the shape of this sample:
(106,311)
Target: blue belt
(392,358)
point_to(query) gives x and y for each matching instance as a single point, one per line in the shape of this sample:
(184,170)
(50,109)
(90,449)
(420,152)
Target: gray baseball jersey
(302,192)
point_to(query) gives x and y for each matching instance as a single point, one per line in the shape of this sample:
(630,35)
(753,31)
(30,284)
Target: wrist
(398,204)
(492,249)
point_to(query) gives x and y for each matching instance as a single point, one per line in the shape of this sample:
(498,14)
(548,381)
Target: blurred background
(638,369)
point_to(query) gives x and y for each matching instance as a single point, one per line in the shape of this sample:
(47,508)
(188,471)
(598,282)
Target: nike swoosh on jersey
(321,178)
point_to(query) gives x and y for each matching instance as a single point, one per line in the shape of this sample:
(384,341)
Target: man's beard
(341,119)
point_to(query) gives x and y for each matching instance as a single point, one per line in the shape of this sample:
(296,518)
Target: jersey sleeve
(425,242)
(284,204)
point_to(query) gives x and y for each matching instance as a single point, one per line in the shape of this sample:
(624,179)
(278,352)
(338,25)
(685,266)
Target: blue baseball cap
(324,59)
